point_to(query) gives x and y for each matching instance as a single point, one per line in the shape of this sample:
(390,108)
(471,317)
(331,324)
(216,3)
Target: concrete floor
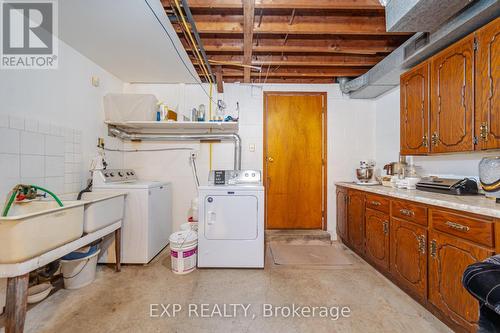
(120,302)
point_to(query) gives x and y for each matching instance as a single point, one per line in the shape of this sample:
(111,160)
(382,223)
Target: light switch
(251,147)
(95,81)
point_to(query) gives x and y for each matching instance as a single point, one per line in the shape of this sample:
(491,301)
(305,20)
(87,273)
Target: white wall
(387,144)
(38,106)
(49,124)
(350,138)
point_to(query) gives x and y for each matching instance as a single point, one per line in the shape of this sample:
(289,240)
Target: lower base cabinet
(377,237)
(422,253)
(409,257)
(448,259)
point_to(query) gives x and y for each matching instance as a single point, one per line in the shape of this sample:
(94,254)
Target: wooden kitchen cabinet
(448,258)
(356,219)
(452,92)
(377,237)
(487,104)
(342,214)
(408,256)
(414,124)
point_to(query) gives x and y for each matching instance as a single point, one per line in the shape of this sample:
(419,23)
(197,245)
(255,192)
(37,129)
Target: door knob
(270,159)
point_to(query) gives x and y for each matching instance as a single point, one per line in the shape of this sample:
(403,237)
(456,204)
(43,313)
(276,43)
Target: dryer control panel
(113,176)
(234,177)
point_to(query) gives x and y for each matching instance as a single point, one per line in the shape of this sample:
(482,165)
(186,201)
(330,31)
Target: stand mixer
(365,172)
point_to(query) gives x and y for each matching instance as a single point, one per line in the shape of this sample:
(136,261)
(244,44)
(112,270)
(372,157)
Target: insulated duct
(210,137)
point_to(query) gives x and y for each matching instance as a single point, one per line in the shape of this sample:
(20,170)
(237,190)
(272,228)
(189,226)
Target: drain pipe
(202,137)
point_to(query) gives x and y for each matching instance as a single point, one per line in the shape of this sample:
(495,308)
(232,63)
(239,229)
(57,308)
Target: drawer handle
(407,212)
(457,226)
(375,203)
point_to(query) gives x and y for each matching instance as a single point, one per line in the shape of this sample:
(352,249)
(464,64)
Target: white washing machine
(231,220)
(147,222)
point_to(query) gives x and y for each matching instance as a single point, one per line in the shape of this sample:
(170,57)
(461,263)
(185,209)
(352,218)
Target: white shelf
(175,126)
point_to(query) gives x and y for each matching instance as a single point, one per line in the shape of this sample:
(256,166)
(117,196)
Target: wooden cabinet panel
(378,203)
(356,219)
(377,237)
(414,122)
(409,211)
(451,96)
(342,214)
(488,86)
(448,258)
(408,256)
(463,226)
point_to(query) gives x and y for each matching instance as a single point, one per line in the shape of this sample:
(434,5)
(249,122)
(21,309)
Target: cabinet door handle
(433,248)
(375,203)
(421,243)
(407,212)
(435,138)
(425,141)
(457,226)
(386,227)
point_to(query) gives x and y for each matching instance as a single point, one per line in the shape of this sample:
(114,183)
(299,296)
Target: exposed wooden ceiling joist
(292,41)
(277,4)
(310,25)
(300,60)
(296,72)
(349,46)
(248,26)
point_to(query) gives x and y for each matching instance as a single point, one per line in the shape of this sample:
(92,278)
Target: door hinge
(476,44)
(433,248)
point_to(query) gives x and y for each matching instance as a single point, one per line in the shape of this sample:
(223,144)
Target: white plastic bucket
(183,251)
(79,273)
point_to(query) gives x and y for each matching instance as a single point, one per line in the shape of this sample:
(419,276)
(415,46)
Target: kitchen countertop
(477,204)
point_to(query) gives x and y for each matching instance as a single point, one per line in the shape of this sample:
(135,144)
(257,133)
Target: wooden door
(415,111)
(452,98)
(448,258)
(408,256)
(356,219)
(488,86)
(342,214)
(294,155)
(377,237)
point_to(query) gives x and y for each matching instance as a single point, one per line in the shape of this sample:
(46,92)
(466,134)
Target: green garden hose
(16,190)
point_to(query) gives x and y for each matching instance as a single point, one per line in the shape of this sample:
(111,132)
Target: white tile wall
(41,153)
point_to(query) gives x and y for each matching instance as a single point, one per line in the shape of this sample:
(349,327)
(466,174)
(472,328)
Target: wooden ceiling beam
(248,26)
(272,45)
(280,4)
(299,60)
(296,72)
(308,25)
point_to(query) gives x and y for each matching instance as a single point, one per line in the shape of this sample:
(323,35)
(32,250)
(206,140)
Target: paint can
(183,251)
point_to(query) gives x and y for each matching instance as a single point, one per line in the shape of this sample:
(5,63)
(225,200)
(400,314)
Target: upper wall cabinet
(415,111)
(452,92)
(451,102)
(488,86)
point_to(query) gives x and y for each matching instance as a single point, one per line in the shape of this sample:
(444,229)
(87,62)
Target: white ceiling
(125,38)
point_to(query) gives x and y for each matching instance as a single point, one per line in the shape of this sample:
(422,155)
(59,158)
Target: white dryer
(231,220)
(147,221)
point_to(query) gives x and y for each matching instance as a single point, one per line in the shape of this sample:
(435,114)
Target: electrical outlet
(251,147)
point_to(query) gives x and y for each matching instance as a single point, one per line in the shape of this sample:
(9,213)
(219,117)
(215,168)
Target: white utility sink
(35,227)
(102,208)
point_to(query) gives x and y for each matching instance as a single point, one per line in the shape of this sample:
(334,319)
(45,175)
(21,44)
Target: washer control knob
(120,174)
